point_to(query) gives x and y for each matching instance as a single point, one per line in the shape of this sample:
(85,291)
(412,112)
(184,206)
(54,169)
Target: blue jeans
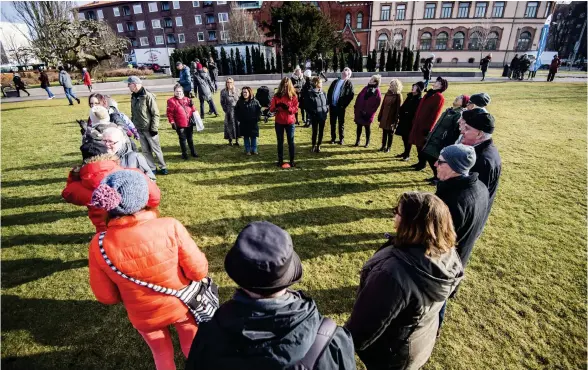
(442,314)
(49,92)
(250,144)
(289,129)
(69,94)
(211,105)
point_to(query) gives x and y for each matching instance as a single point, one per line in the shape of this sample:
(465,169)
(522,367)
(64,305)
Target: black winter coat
(444,133)
(484,64)
(203,84)
(407,111)
(247,114)
(213,71)
(395,318)
(304,93)
(427,68)
(266,334)
(346,94)
(316,105)
(488,166)
(467,200)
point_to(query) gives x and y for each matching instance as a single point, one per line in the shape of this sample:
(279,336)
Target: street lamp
(281,52)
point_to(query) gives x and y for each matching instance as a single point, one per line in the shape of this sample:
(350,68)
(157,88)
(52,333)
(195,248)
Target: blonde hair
(377,79)
(395,86)
(286,88)
(227,84)
(103,157)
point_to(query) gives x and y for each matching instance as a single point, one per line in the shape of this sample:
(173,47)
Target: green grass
(522,305)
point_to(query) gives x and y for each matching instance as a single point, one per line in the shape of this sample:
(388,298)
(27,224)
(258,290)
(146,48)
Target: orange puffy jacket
(80,187)
(155,250)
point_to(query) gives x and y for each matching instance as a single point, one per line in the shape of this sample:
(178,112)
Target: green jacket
(144,111)
(444,133)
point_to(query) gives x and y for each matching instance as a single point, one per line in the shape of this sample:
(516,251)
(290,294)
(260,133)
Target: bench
(8,91)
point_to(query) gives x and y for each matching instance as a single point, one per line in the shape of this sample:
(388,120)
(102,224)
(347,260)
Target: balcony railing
(211,26)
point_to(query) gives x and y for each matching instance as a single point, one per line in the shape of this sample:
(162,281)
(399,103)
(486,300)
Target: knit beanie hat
(465,100)
(99,114)
(123,192)
(420,85)
(479,119)
(461,158)
(481,99)
(444,83)
(93,148)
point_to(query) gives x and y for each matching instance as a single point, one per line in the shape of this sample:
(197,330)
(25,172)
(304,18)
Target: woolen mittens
(124,192)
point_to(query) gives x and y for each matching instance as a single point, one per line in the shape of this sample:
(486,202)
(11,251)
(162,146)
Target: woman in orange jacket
(285,105)
(145,247)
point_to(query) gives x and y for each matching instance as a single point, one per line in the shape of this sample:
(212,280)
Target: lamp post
(281,52)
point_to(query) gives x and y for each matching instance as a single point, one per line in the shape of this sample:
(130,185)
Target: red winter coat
(156,250)
(80,187)
(555,63)
(283,116)
(179,111)
(87,79)
(425,118)
(367,106)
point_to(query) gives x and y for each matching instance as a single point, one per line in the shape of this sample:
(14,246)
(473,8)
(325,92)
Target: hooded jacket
(185,79)
(144,110)
(203,84)
(444,133)
(367,104)
(396,315)
(129,158)
(65,79)
(266,334)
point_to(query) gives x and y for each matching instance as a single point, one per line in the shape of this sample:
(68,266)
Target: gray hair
(486,136)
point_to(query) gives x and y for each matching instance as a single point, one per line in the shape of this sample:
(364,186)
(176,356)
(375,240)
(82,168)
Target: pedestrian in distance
(228,99)
(45,83)
(180,109)
(205,88)
(145,116)
(532,68)
(65,81)
(185,79)
(365,108)
(265,325)
(120,144)
(213,72)
(247,113)
(339,96)
(87,79)
(389,115)
(317,109)
(285,105)
(514,68)
(553,67)
(427,69)
(524,65)
(143,246)
(405,120)
(403,286)
(484,65)
(298,82)
(19,85)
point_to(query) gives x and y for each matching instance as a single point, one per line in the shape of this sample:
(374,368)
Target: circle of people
(404,288)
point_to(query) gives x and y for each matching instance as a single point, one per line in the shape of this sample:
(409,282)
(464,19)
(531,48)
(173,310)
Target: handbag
(197,121)
(201,297)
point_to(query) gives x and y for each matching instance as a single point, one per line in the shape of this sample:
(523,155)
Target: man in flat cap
(480,100)
(265,325)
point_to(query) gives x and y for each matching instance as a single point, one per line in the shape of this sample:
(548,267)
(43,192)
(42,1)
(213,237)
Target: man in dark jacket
(204,87)
(339,96)
(45,83)
(185,79)
(19,85)
(555,63)
(213,72)
(265,325)
(514,67)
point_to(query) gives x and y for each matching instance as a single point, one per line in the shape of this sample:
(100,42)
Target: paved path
(166,85)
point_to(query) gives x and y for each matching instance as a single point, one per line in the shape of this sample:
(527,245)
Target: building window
(198,19)
(223,17)
(119,27)
(179,22)
(126,10)
(195,4)
(156,23)
(524,41)
(171,38)
(130,26)
(400,12)
(531,11)
(221,3)
(359,20)
(81,16)
(385,13)
(224,35)
(167,23)
(176,5)
(397,40)
(152,7)
(498,10)
(209,19)
(116,11)
(474,43)
(480,10)
(463,10)
(158,40)
(137,9)
(441,42)
(144,41)
(426,41)
(134,43)
(212,35)
(100,14)
(140,25)
(206,3)
(383,42)
(446,10)
(181,38)
(348,19)
(429,11)
(165,6)
(91,15)
(458,40)
(492,43)
(200,36)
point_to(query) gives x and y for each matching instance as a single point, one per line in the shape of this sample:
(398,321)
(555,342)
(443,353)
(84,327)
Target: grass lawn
(522,305)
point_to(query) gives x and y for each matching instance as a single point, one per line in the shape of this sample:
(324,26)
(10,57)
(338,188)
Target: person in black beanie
(265,325)
(480,100)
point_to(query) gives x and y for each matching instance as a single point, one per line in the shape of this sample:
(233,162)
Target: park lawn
(522,305)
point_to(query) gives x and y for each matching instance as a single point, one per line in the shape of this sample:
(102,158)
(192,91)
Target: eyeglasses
(440,162)
(110,142)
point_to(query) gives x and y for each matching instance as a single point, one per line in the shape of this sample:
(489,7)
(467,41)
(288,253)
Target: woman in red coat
(179,111)
(365,108)
(425,118)
(285,105)
(87,78)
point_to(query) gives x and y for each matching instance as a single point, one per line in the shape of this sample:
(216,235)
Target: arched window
(492,43)
(454,60)
(441,43)
(458,40)
(359,20)
(474,43)
(383,41)
(397,40)
(348,19)
(524,41)
(426,41)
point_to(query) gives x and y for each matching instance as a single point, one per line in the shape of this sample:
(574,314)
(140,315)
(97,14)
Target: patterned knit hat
(122,193)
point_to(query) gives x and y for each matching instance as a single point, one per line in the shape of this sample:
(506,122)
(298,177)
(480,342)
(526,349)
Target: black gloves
(283,106)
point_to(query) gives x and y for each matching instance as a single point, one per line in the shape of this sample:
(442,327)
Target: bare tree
(36,14)
(242,27)
(484,31)
(16,52)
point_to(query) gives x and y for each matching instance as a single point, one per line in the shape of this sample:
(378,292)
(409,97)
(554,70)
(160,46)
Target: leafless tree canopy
(242,27)
(36,14)
(15,52)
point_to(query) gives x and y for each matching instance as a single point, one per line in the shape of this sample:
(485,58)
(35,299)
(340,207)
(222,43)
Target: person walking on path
(144,246)
(87,79)
(19,85)
(185,79)
(532,69)
(484,65)
(247,113)
(228,99)
(403,286)
(45,83)
(390,113)
(145,117)
(298,82)
(213,72)
(425,118)
(553,67)
(444,133)
(265,325)
(514,67)
(406,117)
(317,109)
(427,69)
(179,114)
(203,84)
(118,143)
(65,81)
(285,105)
(339,96)
(365,108)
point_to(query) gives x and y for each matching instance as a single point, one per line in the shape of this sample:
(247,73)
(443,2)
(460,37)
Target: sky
(7,9)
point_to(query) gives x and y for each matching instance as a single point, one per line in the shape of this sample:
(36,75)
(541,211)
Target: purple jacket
(365,107)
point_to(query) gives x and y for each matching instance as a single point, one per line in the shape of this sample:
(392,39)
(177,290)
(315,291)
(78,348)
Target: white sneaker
(50,98)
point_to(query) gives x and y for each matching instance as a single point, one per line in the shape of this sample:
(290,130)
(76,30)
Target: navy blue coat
(488,166)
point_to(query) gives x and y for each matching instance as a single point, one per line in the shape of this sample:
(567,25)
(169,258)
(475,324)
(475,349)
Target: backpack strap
(324,336)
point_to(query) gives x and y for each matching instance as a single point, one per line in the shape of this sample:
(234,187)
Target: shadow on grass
(45,239)
(68,164)
(36,182)
(17,272)
(42,217)
(17,202)
(334,301)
